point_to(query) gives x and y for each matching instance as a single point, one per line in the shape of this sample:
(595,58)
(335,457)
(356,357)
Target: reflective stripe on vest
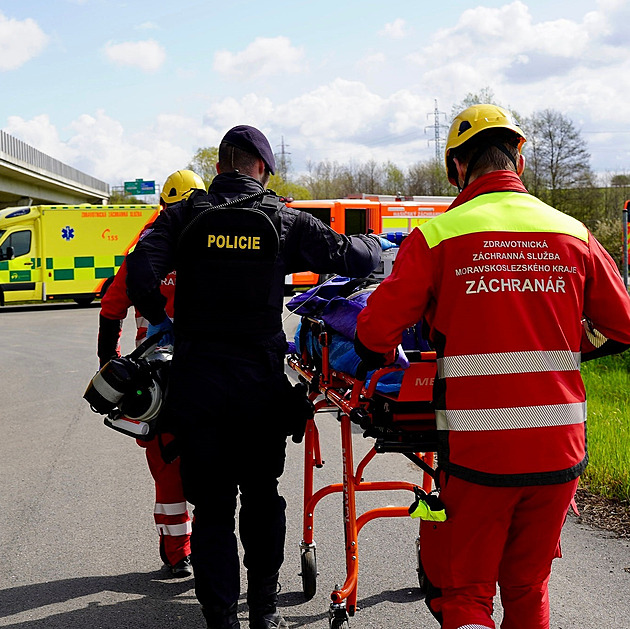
(174,529)
(171,508)
(504,363)
(511,418)
(512,213)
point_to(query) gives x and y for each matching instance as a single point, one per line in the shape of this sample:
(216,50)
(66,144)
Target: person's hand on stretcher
(375,360)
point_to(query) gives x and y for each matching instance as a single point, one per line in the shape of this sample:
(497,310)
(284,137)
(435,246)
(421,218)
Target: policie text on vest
(233,242)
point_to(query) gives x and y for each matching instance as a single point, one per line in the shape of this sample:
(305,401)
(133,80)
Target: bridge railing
(18,150)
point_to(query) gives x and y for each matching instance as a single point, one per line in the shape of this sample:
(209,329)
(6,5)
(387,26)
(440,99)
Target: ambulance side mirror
(10,253)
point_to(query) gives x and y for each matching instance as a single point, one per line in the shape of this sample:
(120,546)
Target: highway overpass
(30,177)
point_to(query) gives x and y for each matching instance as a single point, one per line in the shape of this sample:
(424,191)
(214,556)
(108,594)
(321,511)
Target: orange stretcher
(402,422)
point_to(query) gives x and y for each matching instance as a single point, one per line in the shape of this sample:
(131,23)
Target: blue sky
(126,90)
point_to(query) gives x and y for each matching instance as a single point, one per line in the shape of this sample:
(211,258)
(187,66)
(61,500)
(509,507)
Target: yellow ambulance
(54,252)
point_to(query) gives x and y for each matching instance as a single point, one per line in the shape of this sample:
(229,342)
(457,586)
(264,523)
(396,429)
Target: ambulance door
(20,266)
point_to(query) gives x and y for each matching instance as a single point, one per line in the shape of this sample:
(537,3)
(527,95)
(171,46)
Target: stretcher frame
(354,403)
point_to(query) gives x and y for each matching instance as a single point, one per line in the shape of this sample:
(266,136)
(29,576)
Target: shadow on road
(46,307)
(139,601)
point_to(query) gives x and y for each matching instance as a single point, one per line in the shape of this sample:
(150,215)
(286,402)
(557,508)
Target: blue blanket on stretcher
(338,303)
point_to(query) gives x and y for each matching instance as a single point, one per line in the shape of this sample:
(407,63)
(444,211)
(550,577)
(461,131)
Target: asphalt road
(78,548)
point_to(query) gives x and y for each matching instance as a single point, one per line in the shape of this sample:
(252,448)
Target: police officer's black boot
(262,599)
(221,617)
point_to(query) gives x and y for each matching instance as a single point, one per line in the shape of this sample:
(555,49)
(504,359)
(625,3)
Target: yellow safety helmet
(179,185)
(474,120)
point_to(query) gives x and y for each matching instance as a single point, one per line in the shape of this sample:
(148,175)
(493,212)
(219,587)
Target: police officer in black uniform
(229,400)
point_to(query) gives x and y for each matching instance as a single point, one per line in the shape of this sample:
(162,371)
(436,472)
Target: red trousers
(504,535)
(171,511)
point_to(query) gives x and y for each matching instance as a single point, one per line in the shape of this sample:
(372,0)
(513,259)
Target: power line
(283,161)
(437,127)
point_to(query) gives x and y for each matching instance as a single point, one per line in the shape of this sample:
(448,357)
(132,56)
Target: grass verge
(607,383)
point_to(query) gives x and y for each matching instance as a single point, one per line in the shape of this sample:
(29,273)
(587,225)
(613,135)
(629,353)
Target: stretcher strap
(414,458)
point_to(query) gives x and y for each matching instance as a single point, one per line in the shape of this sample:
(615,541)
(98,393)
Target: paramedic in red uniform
(516,294)
(228,392)
(171,513)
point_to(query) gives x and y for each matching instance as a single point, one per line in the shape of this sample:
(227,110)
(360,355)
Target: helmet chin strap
(475,158)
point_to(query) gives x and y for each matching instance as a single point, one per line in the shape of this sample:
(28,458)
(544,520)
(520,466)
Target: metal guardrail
(30,156)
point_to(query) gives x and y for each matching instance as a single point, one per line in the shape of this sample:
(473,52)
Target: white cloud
(611,5)
(148,26)
(578,66)
(103,148)
(340,109)
(229,112)
(343,121)
(371,63)
(262,58)
(395,30)
(20,41)
(147,55)
(565,64)
(40,133)
(491,42)
(98,145)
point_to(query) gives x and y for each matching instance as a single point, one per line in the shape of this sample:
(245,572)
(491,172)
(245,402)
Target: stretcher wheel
(338,617)
(309,573)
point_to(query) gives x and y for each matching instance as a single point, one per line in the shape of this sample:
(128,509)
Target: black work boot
(221,617)
(262,599)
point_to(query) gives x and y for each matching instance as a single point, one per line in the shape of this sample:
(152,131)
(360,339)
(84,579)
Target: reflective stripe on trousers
(184,528)
(173,508)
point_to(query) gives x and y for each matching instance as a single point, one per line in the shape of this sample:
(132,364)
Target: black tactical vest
(228,284)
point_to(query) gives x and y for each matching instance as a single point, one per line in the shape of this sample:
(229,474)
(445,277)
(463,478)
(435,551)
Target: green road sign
(133,187)
(139,186)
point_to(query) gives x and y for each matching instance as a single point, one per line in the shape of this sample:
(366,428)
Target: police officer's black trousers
(231,442)
(211,483)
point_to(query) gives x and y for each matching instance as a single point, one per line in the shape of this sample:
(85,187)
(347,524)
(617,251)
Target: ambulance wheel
(84,301)
(309,573)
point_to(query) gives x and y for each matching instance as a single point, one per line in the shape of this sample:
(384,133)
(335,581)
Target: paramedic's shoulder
(312,245)
(154,258)
(158,242)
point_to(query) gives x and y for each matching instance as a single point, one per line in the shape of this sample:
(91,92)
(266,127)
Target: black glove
(375,360)
(109,331)
(298,410)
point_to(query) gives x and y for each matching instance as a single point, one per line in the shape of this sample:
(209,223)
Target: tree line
(557,171)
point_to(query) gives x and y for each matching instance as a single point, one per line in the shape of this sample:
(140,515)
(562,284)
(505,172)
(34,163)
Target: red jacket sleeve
(114,307)
(400,300)
(606,301)
(115,302)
